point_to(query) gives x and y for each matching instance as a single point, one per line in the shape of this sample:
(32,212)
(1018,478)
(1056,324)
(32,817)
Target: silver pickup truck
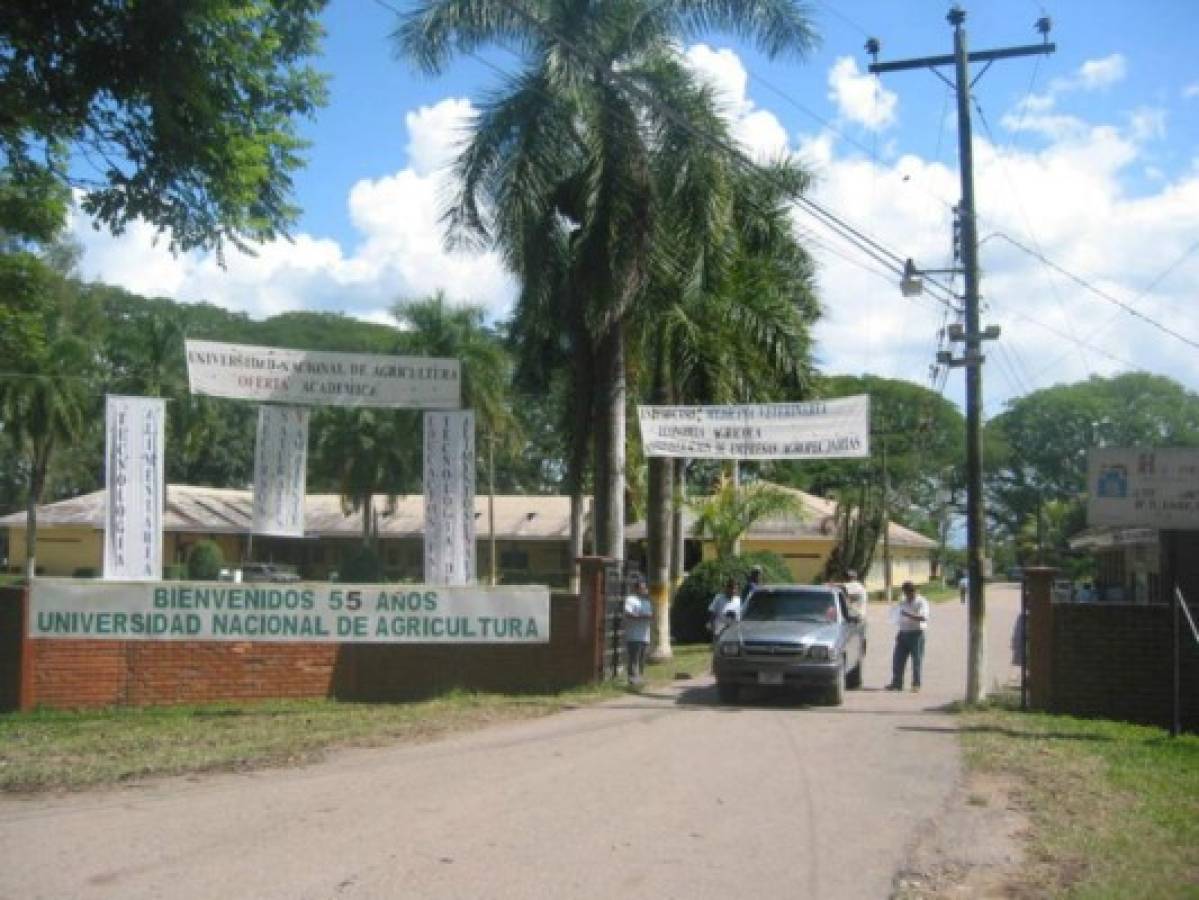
(792,636)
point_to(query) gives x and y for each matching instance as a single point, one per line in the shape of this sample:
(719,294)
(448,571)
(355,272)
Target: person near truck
(725,608)
(912,619)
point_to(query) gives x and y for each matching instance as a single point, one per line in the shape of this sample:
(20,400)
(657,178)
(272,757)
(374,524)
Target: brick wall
(12,604)
(1115,660)
(84,673)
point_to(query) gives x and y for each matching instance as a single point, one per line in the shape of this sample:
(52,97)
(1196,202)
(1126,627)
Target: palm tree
(44,396)
(367,452)
(437,329)
(732,511)
(738,329)
(571,143)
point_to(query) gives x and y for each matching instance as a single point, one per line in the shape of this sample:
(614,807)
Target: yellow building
(804,542)
(532,534)
(532,537)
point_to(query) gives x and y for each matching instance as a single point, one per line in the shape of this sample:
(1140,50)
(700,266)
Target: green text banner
(294,613)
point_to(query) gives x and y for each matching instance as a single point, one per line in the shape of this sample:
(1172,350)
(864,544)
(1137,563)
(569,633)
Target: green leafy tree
(434,328)
(924,438)
(731,511)
(726,319)
(204,561)
(186,113)
(1040,442)
(570,144)
(689,612)
(44,394)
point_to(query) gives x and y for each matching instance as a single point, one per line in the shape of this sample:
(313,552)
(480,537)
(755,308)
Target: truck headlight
(730,648)
(822,652)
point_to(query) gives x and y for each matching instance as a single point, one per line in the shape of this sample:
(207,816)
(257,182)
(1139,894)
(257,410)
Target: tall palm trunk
(657,525)
(40,464)
(581,417)
(678,499)
(610,443)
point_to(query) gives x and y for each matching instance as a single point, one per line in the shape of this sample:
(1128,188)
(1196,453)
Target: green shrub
(174,572)
(85,572)
(362,566)
(204,561)
(689,611)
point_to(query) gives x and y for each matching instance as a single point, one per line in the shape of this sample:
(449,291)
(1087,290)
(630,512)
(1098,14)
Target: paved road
(660,795)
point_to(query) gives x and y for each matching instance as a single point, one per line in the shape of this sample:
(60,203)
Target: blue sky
(1090,158)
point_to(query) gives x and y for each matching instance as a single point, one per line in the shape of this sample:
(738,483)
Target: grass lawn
(52,750)
(1114,808)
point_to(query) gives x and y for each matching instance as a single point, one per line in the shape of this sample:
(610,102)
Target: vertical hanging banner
(133,454)
(280,461)
(450,497)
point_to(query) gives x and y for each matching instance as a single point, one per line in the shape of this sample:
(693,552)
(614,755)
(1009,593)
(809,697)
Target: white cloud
(401,252)
(1100,73)
(1072,199)
(723,71)
(1069,201)
(1037,111)
(436,134)
(860,97)
(1147,124)
(1191,91)
(759,131)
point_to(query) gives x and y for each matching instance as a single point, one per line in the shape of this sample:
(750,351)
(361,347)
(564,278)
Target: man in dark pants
(909,640)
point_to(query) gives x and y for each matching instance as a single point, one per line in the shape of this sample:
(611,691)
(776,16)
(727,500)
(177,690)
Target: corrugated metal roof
(536,517)
(225,510)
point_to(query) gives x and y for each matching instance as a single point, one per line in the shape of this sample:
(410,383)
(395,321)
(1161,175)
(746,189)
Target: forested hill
(122,311)
(135,345)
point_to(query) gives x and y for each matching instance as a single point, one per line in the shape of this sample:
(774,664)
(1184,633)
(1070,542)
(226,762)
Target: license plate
(770,678)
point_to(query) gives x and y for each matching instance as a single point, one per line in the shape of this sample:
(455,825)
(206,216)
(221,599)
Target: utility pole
(888,583)
(973,358)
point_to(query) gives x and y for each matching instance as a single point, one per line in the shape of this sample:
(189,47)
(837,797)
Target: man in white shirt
(638,614)
(856,591)
(909,640)
(724,609)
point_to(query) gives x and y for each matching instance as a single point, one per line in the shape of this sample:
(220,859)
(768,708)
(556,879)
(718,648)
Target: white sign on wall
(133,475)
(317,378)
(1149,488)
(280,460)
(292,613)
(450,497)
(822,429)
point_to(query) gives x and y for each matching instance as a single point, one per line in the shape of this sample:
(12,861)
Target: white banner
(1149,488)
(450,497)
(316,378)
(280,461)
(133,475)
(292,613)
(822,429)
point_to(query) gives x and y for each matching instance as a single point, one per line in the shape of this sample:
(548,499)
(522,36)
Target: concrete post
(1038,583)
(592,596)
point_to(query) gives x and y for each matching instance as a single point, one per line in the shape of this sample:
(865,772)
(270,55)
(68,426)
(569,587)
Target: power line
(1097,291)
(1144,292)
(1019,203)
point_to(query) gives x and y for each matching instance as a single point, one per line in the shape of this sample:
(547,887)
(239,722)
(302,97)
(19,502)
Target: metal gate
(618,581)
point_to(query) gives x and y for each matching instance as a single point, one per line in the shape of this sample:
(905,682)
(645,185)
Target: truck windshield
(790,606)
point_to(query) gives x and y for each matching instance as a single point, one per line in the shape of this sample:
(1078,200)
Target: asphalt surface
(663,794)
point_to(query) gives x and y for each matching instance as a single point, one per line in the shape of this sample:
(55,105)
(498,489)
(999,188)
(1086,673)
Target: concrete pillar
(592,597)
(1038,587)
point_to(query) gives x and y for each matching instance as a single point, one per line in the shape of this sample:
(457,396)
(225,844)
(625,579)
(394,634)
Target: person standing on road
(964,587)
(724,609)
(638,614)
(909,640)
